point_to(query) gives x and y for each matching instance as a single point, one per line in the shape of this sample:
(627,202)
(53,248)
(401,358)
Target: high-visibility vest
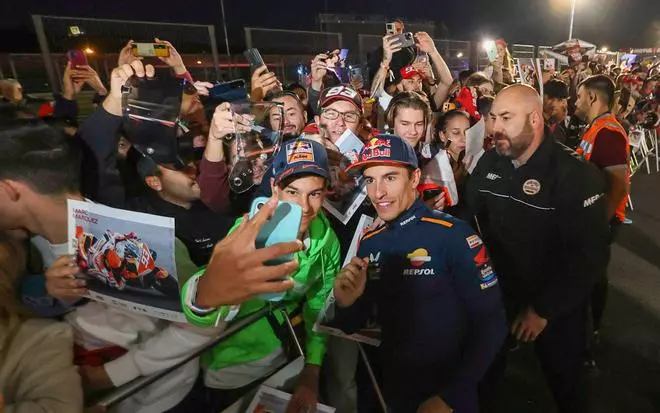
(586,147)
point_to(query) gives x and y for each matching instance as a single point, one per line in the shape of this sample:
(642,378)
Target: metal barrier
(141,383)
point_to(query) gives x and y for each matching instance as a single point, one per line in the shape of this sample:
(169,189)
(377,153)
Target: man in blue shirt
(430,278)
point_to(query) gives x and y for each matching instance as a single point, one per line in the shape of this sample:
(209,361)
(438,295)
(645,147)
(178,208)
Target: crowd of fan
(58,346)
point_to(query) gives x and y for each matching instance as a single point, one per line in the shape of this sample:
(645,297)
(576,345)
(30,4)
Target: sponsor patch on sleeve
(473,241)
(487,277)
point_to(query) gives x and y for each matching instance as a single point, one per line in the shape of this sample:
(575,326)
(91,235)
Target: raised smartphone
(77,58)
(405,39)
(283,226)
(150,50)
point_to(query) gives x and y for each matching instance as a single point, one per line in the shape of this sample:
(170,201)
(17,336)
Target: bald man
(543,216)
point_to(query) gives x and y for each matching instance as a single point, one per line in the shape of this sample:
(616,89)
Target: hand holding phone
(283,226)
(256,61)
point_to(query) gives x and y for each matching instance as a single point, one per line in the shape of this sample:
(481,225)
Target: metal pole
(372,376)
(570,30)
(45,52)
(12,67)
(224,25)
(214,51)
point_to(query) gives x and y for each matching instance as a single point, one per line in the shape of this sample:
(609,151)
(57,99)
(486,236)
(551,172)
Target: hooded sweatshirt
(318,266)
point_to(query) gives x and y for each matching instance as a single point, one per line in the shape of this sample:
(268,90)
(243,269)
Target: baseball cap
(387,149)
(300,156)
(341,92)
(556,89)
(408,72)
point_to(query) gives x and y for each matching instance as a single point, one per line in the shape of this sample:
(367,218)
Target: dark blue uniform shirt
(438,303)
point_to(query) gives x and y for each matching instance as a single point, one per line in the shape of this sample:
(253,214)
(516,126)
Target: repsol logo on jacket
(419,271)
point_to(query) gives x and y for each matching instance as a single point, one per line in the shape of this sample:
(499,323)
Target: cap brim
(360,165)
(334,99)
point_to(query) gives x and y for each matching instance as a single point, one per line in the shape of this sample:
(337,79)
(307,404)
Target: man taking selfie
(438,300)
(301,177)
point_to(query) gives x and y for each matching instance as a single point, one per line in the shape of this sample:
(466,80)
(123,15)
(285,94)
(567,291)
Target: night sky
(614,23)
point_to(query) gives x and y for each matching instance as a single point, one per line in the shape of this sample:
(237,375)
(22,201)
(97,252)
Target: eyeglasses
(331,114)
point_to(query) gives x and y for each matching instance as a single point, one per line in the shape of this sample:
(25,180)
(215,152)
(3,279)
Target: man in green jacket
(300,176)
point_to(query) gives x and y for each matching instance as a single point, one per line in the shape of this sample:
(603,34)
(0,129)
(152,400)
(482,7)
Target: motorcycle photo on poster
(127,258)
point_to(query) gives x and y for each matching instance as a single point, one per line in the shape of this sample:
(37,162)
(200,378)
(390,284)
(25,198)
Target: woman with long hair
(36,355)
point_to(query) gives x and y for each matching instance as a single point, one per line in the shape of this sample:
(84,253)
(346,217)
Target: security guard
(542,213)
(437,296)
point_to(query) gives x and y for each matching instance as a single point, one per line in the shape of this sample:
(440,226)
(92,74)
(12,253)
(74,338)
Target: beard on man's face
(514,147)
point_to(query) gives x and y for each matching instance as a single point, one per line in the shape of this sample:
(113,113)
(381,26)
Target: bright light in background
(459,54)
(604,49)
(199,62)
(488,44)
(88,50)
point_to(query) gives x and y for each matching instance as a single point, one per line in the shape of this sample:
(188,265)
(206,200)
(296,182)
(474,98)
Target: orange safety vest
(586,147)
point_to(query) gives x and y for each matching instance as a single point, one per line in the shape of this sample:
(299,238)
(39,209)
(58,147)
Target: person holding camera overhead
(408,77)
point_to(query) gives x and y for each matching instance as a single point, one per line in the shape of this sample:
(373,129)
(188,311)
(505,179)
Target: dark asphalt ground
(628,376)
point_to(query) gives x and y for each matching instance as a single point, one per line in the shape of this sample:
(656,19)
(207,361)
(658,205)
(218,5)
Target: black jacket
(198,228)
(545,225)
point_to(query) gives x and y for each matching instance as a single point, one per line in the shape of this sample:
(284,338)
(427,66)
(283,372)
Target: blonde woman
(36,355)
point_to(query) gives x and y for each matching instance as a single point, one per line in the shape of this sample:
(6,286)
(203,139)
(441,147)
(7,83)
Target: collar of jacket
(417,210)
(541,156)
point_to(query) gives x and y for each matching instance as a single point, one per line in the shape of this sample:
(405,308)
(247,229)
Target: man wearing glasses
(340,109)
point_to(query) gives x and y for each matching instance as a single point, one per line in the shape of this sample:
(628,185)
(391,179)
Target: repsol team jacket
(438,304)
(545,224)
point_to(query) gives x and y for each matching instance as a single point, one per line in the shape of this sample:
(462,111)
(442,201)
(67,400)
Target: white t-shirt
(49,252)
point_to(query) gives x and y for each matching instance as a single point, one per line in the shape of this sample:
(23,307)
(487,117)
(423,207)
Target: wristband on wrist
(225,313)
(191,297)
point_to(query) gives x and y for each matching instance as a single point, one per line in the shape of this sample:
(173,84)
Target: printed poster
(438,173)
(474,144)
(269,400)
(347,192)
(127,258)
(370,333)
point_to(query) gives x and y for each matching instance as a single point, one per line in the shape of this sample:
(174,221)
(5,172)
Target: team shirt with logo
(438,302)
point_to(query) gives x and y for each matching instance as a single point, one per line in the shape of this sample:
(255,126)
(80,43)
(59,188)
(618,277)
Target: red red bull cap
(385,149)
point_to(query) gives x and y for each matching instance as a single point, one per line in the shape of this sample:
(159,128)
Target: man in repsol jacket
(438,300)
(541,211)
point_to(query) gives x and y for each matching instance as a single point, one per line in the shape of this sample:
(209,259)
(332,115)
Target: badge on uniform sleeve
(531,187)
(473,241)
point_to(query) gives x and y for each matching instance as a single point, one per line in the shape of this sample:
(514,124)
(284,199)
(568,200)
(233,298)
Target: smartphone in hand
(150,50)
(283,226)
(405,39)
(77,58)
(256,61)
